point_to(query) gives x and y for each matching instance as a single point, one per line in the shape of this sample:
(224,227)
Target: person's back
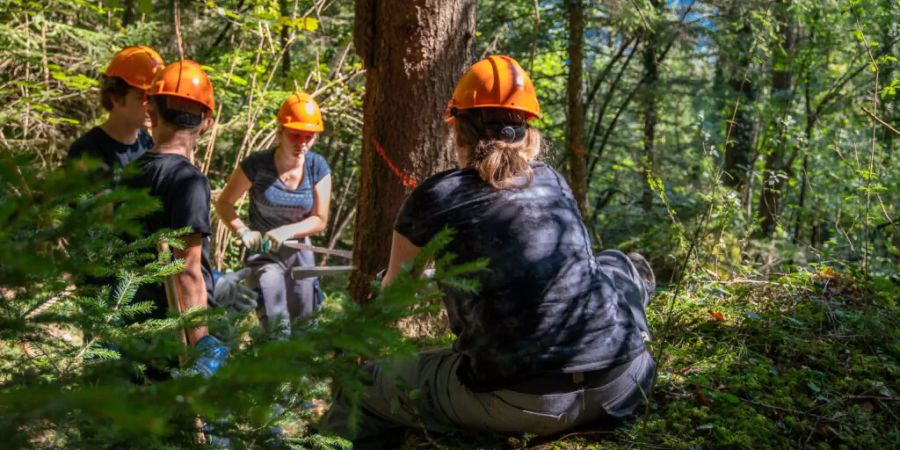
(183,192)
(552,338)
(539,307)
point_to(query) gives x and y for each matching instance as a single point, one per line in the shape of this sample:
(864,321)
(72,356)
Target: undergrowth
(805,360)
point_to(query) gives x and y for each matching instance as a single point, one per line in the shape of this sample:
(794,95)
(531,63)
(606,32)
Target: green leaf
(145,6)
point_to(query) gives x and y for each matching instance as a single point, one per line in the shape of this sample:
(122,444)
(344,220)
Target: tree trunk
(127,13)
(285,46)
(735,63)
(414,51)
(575,124)
(775,165)
(651,77)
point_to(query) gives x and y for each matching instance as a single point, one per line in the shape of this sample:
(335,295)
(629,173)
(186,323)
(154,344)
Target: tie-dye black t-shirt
(545,304)
(272,203)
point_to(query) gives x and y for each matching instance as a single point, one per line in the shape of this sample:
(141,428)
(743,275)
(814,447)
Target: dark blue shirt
(272,203)
(545,304)
(114,154)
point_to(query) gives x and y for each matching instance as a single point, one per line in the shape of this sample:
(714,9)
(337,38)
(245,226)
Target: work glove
(230,293)
(252,239)
(212,356)
(275,237)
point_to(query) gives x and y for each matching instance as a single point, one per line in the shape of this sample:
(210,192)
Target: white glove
(252,239)
(276,236)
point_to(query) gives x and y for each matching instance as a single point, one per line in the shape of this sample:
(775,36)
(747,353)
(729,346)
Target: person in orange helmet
(123,137)
(290,192)
(180,102)
(554,338)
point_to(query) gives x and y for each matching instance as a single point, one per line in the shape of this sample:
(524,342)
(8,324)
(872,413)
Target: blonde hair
(503,164)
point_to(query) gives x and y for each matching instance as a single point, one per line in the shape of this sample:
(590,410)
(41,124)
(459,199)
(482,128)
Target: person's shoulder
(257,159)
(188,172)
(316,159)
(450,176)
(544,172)
(86,144)
(445,182)
(260,155)
(543,168)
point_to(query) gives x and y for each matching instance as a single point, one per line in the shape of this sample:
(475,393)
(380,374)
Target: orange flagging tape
(407,180)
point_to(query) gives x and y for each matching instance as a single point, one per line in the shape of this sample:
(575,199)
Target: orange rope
(406,179)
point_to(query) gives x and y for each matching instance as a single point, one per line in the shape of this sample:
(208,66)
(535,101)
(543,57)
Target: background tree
(575,108)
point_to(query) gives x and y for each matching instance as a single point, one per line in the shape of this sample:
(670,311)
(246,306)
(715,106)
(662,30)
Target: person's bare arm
(238,184)
(402,251)
(189,282)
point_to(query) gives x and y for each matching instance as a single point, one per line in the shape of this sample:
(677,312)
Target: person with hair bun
(554,338)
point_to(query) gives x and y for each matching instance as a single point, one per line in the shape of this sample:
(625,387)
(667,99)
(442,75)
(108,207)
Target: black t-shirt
(545,304)
(114,154)
(184,193)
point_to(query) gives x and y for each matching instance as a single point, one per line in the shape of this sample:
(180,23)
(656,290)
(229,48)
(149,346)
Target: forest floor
(808,360)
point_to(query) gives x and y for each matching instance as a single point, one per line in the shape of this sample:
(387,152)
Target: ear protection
(505,130)
(510,133)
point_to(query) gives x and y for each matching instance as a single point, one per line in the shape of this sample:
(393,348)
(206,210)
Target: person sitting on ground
(290,191)
(123,137)
(180,102)
(553,339)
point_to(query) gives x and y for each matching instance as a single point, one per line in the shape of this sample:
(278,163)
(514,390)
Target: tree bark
(414,51)
(740,127)
(127,13)
(575,123)
(648,107)
(285,44)
(775,165)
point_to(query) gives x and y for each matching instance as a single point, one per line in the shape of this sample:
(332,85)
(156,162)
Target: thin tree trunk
(128,12)
(413,51)
(775,165)
(735,63)
(285,44)
(575,124)
(649,105)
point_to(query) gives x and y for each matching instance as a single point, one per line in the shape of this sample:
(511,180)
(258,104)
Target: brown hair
(502,163)
(109,87)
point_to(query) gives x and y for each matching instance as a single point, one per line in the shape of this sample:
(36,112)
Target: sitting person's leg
(301,294)
(426,393)
(401,394)
(272,308)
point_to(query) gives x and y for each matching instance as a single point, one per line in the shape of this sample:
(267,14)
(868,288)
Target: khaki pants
(425,392)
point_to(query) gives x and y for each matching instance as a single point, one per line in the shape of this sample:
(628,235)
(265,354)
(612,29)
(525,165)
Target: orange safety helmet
(495,82)
(137,65)
(184,79)
(301,112)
